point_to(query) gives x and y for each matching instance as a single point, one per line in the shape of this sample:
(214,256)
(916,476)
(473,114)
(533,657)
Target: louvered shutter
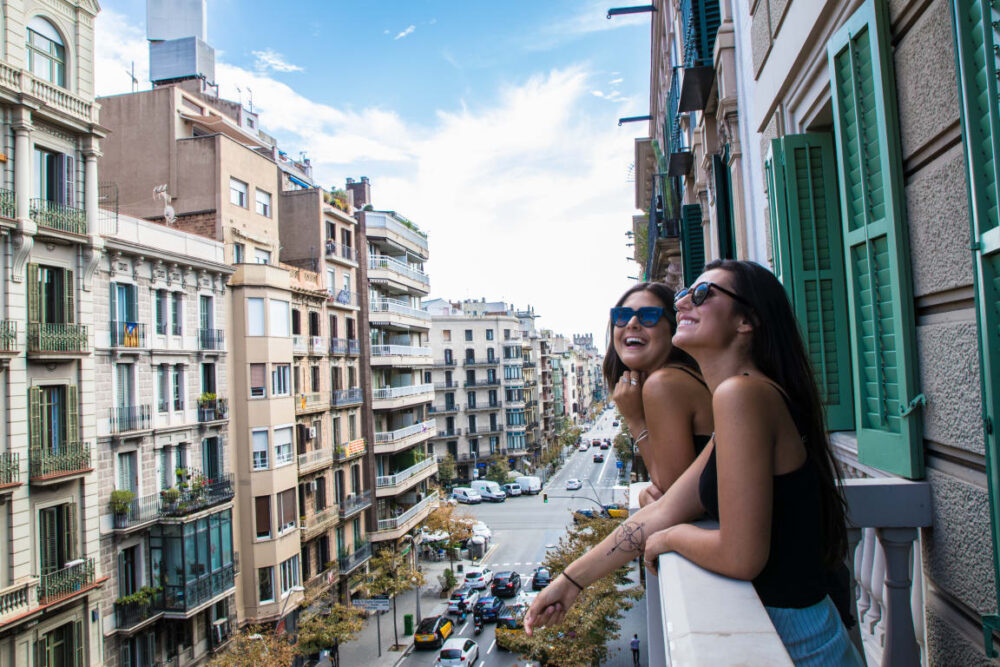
(41,651)
(807,242)
(880,296)
(72,415)
(69,180)
(80,644)
(70,531)
(33,293)
(48,541)
(69,289)
(35,418)
(692,242)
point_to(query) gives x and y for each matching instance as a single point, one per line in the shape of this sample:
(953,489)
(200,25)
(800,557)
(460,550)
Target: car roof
(455,642)
(504,574)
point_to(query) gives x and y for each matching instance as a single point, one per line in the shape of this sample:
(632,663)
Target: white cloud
(409,31)
(119,44)
(524,197)
(269,59)
(590,18)
(615,82)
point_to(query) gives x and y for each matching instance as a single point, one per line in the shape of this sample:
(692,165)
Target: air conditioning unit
(220,630)
(312,432)
(312,486)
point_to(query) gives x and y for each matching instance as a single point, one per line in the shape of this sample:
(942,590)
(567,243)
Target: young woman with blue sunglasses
(656,387)
(767,477)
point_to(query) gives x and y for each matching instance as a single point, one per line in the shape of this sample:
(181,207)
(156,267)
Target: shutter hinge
(919,399)
(975,245)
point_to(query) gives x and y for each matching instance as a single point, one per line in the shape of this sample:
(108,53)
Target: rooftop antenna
(240,91)
(250,95)
(131,74)
(160,192)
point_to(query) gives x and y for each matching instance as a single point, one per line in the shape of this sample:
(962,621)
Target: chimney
(362,191)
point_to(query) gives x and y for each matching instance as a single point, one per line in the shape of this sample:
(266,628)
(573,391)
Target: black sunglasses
(648,315)
(700,292)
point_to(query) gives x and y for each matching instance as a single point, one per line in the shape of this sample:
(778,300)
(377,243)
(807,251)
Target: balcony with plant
(212,408)
(136,608)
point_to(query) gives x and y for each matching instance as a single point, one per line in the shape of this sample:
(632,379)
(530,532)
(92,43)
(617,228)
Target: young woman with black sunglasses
(656,387)
(768,475)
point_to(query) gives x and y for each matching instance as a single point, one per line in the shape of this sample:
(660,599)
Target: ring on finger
(632,382)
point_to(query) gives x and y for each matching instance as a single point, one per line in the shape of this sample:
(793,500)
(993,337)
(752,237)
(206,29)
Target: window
(446,335)
(448,358)
(128,472)
(55,178)
(177,312)
(468,334)
(314,378)
(282,446)
(692,242)
(262,256)
(238,193)
(163,384)
(255,317)
(296,322)
(287,510)
(51,294)
(161,311)
(491,354)
(46,52)
(280,377)
(57,537)
(239,251)
(178,387)
(262,516)
(258,380)
(489,334)
(470,355)
(470,400)
(352,426)
(289,573)
(265,584)
(260,449)
(279,318)
(264,203)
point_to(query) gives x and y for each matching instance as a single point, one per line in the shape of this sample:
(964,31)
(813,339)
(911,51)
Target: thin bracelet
(571,580)
(644,434)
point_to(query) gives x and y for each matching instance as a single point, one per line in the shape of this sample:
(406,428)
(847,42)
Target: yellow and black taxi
(432,632)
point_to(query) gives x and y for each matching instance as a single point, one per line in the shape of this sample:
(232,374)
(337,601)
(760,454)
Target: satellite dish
(160,192)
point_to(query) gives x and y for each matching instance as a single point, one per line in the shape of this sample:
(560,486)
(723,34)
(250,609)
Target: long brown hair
(777,349)
(613,366)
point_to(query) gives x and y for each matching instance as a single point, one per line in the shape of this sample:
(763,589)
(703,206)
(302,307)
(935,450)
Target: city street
(524,527)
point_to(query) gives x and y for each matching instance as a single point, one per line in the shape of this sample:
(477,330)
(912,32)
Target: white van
(490,491)
(529,485)
(464,494)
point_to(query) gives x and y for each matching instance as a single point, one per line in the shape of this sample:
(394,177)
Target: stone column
(23,238)
(90,193)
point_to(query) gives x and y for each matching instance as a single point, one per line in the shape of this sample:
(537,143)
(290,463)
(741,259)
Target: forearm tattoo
(630,537)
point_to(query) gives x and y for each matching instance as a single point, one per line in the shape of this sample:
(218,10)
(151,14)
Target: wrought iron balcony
(342,297)
(339,251)
(344,397)
(492,382)
(700,20)
(400,521)
(125,418)
(46,463)
(354,503)
(357,557)
(338,346)
(482,362)
(8,204)
(349,450)
(211,339)
(299,344)
(10,469)
(127,334)
(8,336)
(131,614)
(61,338)
(60,217)
(446,410)
(453,433)
(68,581)
(193,593)
(353,346)
(198,493)
(213,409)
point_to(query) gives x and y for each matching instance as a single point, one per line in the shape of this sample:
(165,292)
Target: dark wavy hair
(777,349)
(613,365)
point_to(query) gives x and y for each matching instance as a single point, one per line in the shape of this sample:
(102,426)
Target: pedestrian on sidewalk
(634,644)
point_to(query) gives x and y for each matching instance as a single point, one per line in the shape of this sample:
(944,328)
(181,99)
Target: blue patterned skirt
(815,636)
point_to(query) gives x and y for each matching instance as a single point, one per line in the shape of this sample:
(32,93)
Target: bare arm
(679,504)
(668,450)
(744,445)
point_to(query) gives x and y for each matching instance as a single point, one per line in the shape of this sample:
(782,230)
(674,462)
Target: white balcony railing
(316,456)
(397,521)
(385,437)
(384,262)
(299,345)
(401,392)
(403,475)
(400,351)
(398,307)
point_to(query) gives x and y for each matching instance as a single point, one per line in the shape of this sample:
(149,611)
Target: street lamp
(413,543)
(281,617)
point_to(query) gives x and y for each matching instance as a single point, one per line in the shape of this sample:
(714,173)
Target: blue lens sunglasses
(648,315)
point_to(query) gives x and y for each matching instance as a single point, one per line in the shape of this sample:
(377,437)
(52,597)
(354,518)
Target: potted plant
(170,496)
(121,501)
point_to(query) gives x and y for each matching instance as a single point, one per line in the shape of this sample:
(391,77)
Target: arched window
(46,52)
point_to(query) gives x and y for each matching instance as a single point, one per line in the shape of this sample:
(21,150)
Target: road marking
(463,627)
(481,663)
(492,646)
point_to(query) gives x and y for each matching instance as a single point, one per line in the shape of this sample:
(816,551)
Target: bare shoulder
(743,395)
(669,380)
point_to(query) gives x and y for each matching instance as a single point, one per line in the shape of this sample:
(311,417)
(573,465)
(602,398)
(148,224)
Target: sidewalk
(364,649)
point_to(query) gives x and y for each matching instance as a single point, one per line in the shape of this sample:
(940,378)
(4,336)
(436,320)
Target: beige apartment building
(400,352)
(51,578)
(480,412)
(165,481)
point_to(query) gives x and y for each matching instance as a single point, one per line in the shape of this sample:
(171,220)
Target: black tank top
(794,575)
(700,441)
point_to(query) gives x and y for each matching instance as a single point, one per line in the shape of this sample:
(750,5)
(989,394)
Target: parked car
(614,423)
(489,491)
(465,594)
(432,632)
(583,447)
(587,513)
(480,529)
(489,608)
(479,579)
(512,489)
(616,511)
(506,584)
(573,484)
(464,494)
(512,617)
(530,485)
(595,442)
(540,579)
(598,458)
(458,652)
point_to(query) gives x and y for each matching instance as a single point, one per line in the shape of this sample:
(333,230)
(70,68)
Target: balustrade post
(900,640)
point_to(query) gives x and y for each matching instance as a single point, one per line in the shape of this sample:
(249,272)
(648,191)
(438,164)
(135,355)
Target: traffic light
(545,497)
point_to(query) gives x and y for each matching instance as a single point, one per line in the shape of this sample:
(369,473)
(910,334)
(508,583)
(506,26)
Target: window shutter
(262,515)
(41,650)
(806,238)
(70,528)
(122,585)
(81,648)
(69,289)
(69,180)
(72,415)
(880,296)
(113,305)
(692,242)
(33,293)
(35,417)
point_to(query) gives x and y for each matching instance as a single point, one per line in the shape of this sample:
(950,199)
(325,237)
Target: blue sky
(490,124)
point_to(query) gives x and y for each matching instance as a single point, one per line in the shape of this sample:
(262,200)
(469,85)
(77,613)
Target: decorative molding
(45,128)
(22,248)
(93,257)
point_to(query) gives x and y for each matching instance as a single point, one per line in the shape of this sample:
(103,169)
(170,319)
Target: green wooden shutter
(35,417)
(48,541)
(774,172)
(69,289)
(806,224)
(69,531)
(692,242)
(80,644)
(72,415)
(976,58)
(33,293)
(880,296)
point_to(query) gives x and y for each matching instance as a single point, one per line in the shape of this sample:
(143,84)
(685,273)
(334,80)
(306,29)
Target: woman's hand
(628,397)
(550,606)
(657,543)
(649,494)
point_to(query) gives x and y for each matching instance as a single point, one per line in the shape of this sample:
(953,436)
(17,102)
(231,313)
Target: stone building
(51,577)
(165,481)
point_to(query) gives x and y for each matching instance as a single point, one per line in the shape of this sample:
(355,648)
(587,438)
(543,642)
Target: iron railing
(10,469)
(343,397)
(353,346)
(65,582)
(211,339)
(213,409)
(8,336)
(61,217)
(124,418)
(354,559)
(342,297)
(49,337)
(130,614)
(336,250)
(383,437)
(349,450)
(338,346)
(403,475)
(700,20)
(194,593)
(69,458)
(354,503)
(127,334)
(198,493)
(385,262)
(8,204)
